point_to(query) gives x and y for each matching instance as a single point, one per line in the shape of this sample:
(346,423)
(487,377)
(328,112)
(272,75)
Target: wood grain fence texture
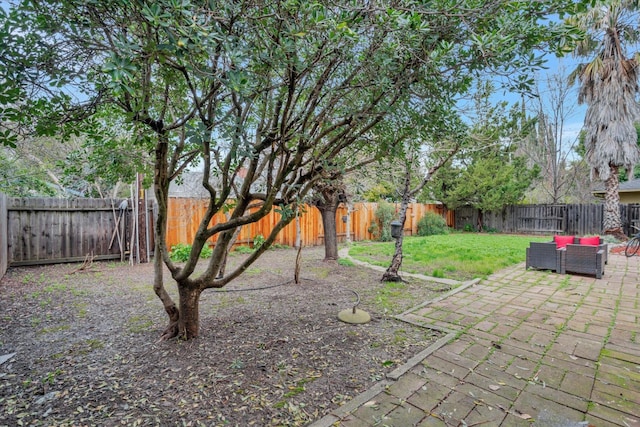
(4,253)
(185,216)
(547,219)
(48,230)
(39,231)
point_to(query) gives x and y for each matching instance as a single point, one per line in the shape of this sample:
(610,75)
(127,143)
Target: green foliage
(243,250)
(381,228)
(258,241)
(486,173)
(380,191)
(109,152)
(432,223)
(345,262)
(18,179)
(182,251)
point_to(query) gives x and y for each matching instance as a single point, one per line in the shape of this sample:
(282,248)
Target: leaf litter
(86,349)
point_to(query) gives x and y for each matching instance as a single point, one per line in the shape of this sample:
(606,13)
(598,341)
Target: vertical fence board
(547,219)
(59,230)
(46,230)
(184,216)
(4,218)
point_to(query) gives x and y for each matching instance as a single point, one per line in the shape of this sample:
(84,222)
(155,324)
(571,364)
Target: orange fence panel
(184,216)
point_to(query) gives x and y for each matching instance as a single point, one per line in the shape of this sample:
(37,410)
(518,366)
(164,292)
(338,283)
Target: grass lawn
(459,256)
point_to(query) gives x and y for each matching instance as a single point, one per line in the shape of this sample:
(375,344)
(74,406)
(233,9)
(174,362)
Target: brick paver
(533,348)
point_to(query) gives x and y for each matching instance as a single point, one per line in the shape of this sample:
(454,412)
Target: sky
(573,113)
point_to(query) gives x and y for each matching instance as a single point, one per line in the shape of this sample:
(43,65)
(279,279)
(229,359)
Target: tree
(609,87)
(486,174)
(547,144)
(330,189)
(326,197)
(426,133)
(260,94)
(19,180)
(408,192)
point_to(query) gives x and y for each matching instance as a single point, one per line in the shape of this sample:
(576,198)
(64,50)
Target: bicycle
(633,244)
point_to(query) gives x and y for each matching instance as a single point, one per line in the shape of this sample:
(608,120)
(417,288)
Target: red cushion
(562,241)
(590,241)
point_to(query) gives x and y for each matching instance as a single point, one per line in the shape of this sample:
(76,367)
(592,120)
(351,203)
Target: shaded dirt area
(86,349)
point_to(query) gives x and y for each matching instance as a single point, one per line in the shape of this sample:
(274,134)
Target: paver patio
(522,348)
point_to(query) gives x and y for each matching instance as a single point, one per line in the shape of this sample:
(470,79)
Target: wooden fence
(547,219)
(4,254)
(185,215)
(48,230)
(40,231)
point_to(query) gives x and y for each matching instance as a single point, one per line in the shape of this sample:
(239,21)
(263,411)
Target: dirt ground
(80,348)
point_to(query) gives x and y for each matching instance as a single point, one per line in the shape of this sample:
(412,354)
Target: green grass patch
(242,250)
(53,329)
(320,272)
(139,324)
(345,262)
(387,297)
(459,256)
(55,287)
(81,308)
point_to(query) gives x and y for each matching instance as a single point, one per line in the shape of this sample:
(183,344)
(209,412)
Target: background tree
(18,179)
(609,87)
(486,173)
(327,194)
(429,133)
(408,192)
(331,188)
(261,94)
(548,144)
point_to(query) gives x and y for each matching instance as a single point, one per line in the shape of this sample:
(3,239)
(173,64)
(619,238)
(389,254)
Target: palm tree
(609,85)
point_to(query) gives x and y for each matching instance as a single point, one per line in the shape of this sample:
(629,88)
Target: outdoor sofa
(569,254)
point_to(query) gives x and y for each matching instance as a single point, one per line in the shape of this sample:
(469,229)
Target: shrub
(243,250)
(432,224)
(381,229)
(258,241)
(181,251)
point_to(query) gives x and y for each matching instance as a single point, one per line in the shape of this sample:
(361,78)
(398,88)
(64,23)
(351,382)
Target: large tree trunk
(169,306)
(189,322)
(327,203)
(328,213)
(611,221)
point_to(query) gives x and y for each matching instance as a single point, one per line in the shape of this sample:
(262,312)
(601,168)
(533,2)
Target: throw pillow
(562,241)
(590,241)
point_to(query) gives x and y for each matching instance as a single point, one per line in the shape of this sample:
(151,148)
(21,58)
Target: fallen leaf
(494,387)
(523,415)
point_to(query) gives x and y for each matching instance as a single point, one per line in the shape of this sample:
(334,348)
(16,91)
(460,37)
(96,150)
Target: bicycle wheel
(632,247)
